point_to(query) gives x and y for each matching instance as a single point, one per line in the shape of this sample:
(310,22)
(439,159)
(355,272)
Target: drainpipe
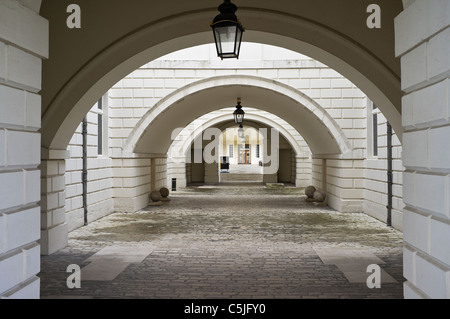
(85,170)
(389,174)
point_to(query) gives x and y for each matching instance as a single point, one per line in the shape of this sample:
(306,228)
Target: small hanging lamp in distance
(239,114)
(241,132)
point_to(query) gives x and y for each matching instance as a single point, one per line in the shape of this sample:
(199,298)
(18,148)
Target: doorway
(245,155)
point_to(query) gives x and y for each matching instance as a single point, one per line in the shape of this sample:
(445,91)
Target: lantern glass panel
(239,118)
(228,40)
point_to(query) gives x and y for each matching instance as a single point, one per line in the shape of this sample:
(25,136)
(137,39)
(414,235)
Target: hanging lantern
(239,114)
(227,31)
(241,132)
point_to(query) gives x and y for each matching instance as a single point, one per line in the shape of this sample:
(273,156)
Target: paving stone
(229,242)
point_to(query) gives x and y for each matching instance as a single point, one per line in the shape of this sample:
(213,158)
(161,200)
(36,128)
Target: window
(374,130)
(257,151)
(100,126)
(373,122)
(231,151)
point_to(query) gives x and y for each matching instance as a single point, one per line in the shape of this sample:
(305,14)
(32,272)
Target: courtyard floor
(230,241)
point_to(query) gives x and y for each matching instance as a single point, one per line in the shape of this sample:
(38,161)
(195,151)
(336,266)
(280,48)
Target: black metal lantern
(227,31)
(239,114)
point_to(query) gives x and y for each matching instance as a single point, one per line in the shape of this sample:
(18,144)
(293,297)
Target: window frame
(102,126)
(373,113)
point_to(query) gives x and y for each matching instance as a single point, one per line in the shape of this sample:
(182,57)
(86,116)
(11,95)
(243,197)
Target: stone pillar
(423,43)
(153,174)
(270,168)
(212,170)
(342,179)
(303,171)
(177,169)
(132,183)
(324,175)
(160,172)
(54,229)
(211,173)
(24,42)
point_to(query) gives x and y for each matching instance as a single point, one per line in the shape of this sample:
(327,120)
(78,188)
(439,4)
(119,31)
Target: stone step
(232,177)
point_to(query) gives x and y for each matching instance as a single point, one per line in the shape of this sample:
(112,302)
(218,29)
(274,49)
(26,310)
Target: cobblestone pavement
(228,242)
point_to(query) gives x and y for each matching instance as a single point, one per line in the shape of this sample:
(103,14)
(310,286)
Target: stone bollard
(315,196)
(319,196)
(309,191)
(155,198)
(164,191)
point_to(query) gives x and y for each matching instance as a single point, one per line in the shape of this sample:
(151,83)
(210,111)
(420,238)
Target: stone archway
(427,270)
(112,50)
(345,48)
(254,118)
(318,128)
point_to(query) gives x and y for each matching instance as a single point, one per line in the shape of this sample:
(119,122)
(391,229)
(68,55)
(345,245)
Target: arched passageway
(110,55)
(420,25)
(219,119)
(293,153)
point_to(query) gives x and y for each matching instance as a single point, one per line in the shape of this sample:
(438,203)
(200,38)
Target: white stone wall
(423,44)
(132,183)
(114,184)
(23,45)
(359,185)
(345,184)
(133,96)
(318,174)
(375,177)
(100,183)
(342,179)
(159,174)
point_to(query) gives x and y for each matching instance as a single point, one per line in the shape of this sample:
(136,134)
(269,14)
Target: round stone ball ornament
(309,191)
(155,196)
(164,192)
